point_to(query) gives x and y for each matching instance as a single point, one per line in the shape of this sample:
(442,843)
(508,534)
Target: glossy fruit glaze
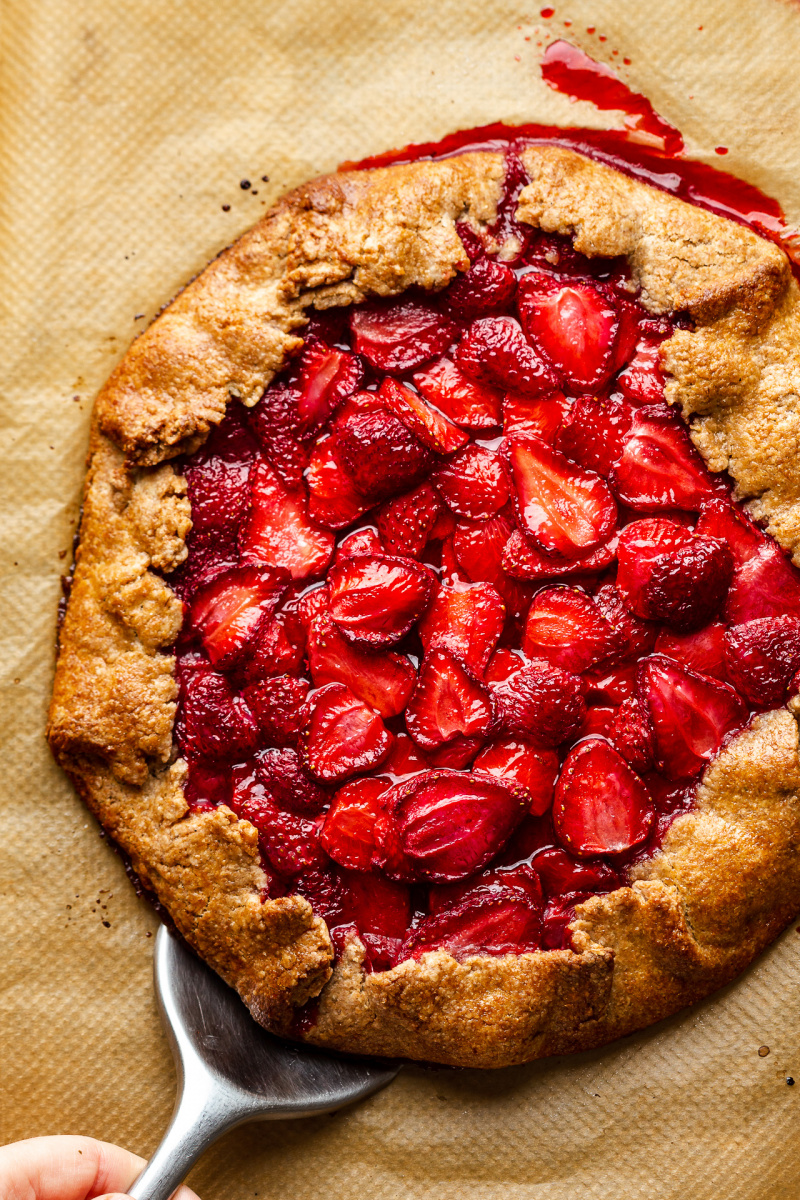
(466,616)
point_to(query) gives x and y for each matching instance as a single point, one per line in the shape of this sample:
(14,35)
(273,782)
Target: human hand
(69,1168)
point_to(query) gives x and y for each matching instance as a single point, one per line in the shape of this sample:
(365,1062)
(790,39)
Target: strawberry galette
(434,637)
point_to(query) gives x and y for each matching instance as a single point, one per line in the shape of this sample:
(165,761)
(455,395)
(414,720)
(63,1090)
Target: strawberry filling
(466,615)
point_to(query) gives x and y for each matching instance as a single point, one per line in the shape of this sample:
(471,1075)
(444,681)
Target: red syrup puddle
(649,148)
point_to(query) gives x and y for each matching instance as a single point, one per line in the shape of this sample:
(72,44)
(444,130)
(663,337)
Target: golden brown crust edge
(727,878)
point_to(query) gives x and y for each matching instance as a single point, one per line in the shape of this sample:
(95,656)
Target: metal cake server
(230,1070)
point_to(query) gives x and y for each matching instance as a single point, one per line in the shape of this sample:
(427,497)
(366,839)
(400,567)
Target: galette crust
(727,878)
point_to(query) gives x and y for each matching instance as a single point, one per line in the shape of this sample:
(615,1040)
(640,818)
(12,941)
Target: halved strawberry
(361,541)
(207,786)
(767,585)
(503,664)
(703,650)
(601,806)
(668,574)
(466,619)
(214,723)
(457,754)
(379,907)
(495,922)
(631,734)
(719,519)
(574,325)
(277,530)
(344,736)
(289,842)
(487,287)
(398,335)
(217,483)
(762,656)
(333,500)
(227,612)
(495,351)
(540,701)
(691,714)
(311,602)
(325,376)
(432,429)
(611,686)
(561,873)
(404,759)
(558,915)
(443,825)
(478,547)
(448,702)
(523,560)
(325,891)
(522,879)
(283,776)
(593,432)
(468,404)
(348,833)
(381,454)
(598,720)
(533,767)
(566,627)
(522,414)
(277,649)
(408,521)
(659,467)
(279,707)
(639,636)
(473,483)
(565,509)
(383,681)
(375,599)
(642,381)
(275,421)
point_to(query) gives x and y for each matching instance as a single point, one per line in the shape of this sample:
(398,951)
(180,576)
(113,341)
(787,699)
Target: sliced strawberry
(668,574)
(398,335)
(275,650)
(404,759)
(767,585)
(325,891)
(614,686)
(313,602)
(407,522)
(540,701)
(448,702)
(702,650)
(543,417)
(598,720)
(358,404)
(560,873)
(523,560)
(533,767)
(593,432)
(573,325)
(361,541)
(444,825)
(466,619)
(495,351)
(496,921)
(279,707)
(487,287)
(289,784)
(468,404)
(207,787)
(325,377)
(432,429)
(379,907)
(639,636)
(215,724)
(558,915)
(275,421)
(344,736)
(277,530)
(719,519)
(289,842)
(457,754)
(478,547)
(383,681)
(659,467)
(473,483)
(691,714)
(381,454)
(565,509)
(333,500)
(503,664)
(522,879)
(762,656)
(601,806)
(631,734)
(375,599)
(348,833)
(227,612)
(642,381)
(566,627)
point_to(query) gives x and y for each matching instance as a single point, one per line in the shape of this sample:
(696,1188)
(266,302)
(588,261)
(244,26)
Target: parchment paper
(126,126)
